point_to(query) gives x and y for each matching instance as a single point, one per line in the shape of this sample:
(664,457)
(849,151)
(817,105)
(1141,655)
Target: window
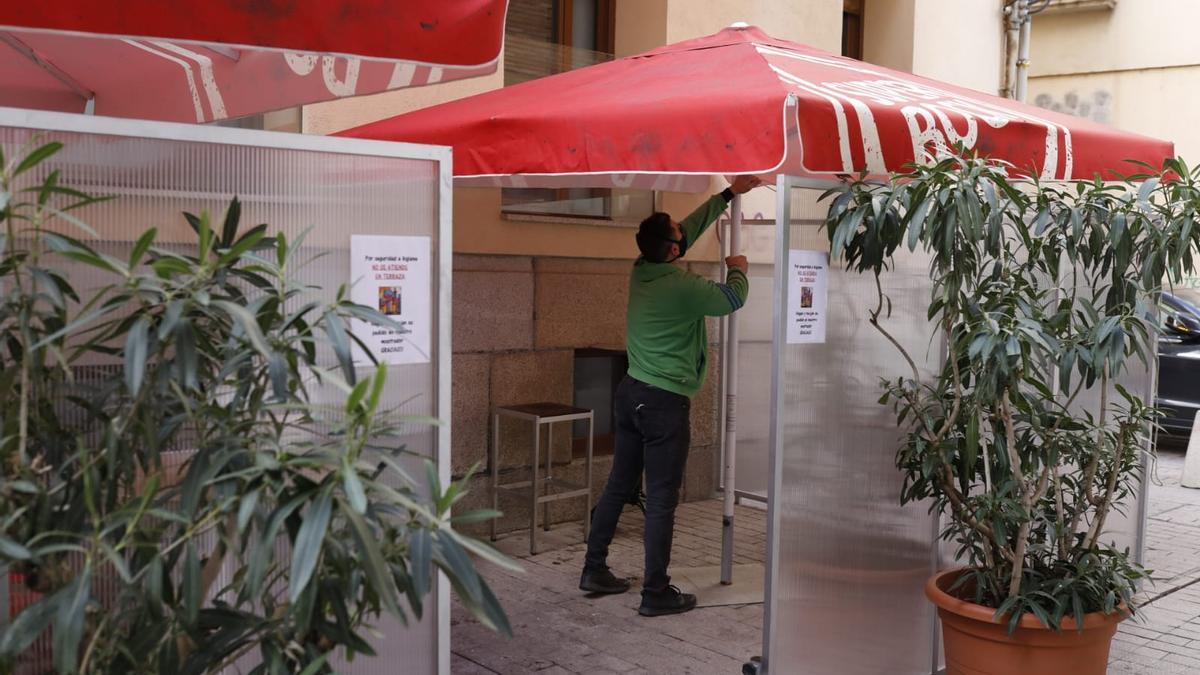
(852,28)
(545,37)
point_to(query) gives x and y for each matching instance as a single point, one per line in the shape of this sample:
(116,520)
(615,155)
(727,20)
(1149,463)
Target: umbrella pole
(731,363)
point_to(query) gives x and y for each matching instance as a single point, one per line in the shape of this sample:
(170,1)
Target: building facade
(541,276)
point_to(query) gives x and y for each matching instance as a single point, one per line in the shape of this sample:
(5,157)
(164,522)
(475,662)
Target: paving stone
(556,627)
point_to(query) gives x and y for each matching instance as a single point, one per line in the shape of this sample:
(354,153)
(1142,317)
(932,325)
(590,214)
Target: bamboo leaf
(191,585)
(36,157)
(335,329)
(420,552)
(137,350)
(354,488)
(309,542)
(141,246)
(12,550)
(248,324)
(69,621)
(372,559)
(232,216)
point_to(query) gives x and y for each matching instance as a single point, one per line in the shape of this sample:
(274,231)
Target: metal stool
(541,488)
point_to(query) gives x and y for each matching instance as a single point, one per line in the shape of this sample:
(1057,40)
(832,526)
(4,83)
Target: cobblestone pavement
(1166,638)
(558,631)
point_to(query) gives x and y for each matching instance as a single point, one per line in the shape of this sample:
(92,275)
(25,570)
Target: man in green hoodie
(667,343)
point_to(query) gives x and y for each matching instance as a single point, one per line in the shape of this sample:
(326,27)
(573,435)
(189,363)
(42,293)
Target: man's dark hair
(653,237)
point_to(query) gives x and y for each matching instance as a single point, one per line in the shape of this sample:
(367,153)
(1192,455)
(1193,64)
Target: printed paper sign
(393,275)
(808,286)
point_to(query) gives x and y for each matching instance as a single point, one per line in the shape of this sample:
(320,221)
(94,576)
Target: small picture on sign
(806,296)
(389,300)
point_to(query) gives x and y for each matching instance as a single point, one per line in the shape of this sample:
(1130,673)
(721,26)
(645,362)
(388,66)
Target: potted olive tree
(173,500)
(1023,438)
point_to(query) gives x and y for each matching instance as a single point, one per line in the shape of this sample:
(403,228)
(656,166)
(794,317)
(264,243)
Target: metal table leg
(533,488)
(549,464)
(587,510)
(494,460)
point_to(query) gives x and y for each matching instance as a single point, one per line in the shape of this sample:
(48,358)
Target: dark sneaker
(603,581)
(669,601)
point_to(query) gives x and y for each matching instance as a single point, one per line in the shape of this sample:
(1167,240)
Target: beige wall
(960,42)
(641,26)
(813,22)
(1134,67)
(955,41)
(888,32)
(1135,34)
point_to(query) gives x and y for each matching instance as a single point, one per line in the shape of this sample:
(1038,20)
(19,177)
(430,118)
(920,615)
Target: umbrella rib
(53,70)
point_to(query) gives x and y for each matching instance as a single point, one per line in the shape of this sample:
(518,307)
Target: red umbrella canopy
(742,102)
(204,61)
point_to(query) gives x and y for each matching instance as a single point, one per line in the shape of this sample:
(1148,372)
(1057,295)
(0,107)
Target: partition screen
(846,563)
(330,188)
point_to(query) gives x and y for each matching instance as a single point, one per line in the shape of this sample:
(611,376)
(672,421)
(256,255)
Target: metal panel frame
(170,131)
(783,235)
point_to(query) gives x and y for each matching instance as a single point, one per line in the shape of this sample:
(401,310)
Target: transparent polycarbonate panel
(1125,527)
(754,343)
(322,197)
(754,383)
(851,562)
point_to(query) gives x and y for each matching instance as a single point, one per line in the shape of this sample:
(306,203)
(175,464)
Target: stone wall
(517,322)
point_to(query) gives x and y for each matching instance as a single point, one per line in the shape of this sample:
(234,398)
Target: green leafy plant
(170,490)
(1043,295)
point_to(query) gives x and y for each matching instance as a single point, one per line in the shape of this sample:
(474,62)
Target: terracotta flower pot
(976,644)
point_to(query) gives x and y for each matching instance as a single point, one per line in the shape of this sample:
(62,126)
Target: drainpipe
(1023,50)
(1012,34)
(1019,22)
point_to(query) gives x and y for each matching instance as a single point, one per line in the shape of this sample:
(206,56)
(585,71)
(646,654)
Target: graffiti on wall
(1095,106)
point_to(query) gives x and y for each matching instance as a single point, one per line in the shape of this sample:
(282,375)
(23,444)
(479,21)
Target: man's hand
(737,262)
(743,184)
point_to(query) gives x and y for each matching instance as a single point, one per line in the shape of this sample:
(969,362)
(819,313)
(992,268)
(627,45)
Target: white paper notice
(393,275)
(808,289)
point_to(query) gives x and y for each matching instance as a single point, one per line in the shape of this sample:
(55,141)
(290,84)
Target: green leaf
(248,324)
(376,568)
(309,542)
(335,329)
(316,666)
(29,624)
(137,350)
(420,554)
(1146,188)
(354,488)
(141,246)
(69,620)
(246,508)
(453,560)
(12,550)
(356,396)
(191,585)
(232,216)
(377,387)
(917,223)
(37,157)
(49,287)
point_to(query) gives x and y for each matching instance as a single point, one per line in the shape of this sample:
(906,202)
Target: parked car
(1178,364)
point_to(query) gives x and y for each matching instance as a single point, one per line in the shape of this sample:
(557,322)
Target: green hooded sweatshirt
(665,333)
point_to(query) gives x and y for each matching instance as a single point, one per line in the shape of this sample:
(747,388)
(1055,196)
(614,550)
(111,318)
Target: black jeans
(653,434)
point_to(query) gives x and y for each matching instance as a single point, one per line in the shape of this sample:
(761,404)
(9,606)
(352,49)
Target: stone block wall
(517,323)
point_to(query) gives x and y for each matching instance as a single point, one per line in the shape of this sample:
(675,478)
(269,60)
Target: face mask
(682,243)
